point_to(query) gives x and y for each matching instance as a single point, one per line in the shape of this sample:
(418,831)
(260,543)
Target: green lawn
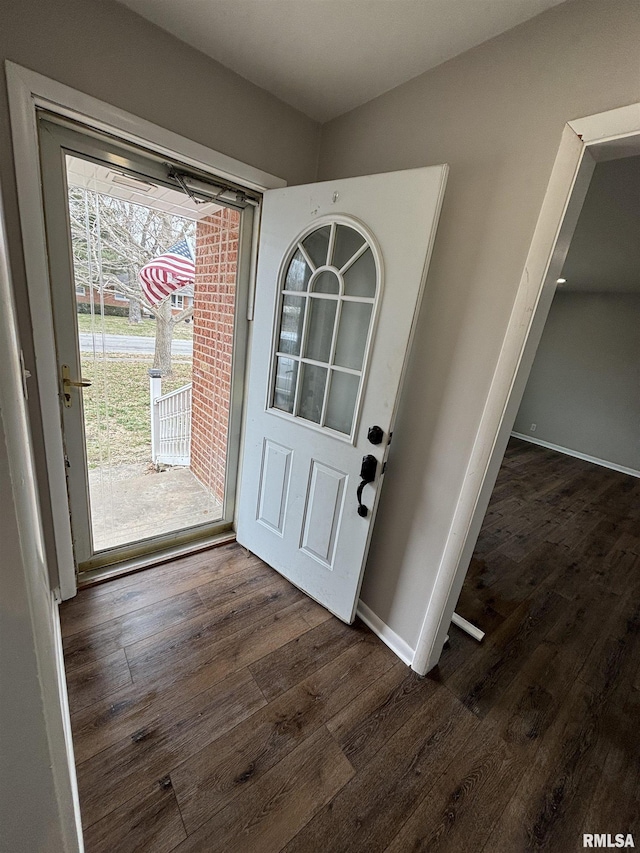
(121,326)
(116,406)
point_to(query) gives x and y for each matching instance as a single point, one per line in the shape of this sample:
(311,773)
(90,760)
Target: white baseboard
(603,462)
(68,786)
(385,633)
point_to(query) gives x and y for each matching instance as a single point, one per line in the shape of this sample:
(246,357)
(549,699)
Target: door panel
(323,512)
(274,485)
(340,275)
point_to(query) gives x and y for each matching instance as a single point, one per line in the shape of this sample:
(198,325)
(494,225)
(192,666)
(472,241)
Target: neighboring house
(182,299)
(495,114)
(117,303)
(109,298)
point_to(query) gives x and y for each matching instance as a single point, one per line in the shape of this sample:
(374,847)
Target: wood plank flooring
(214,707)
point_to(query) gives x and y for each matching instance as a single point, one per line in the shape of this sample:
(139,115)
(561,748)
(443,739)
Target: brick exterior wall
(214,305)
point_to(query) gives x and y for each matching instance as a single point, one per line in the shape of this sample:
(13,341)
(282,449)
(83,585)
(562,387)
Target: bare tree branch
(112,240)
(182,315)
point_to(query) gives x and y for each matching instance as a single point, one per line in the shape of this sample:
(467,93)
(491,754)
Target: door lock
(68,384)
(375,434)
(367,475)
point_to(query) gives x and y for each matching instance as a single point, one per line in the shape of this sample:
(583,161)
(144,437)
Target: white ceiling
(325,57)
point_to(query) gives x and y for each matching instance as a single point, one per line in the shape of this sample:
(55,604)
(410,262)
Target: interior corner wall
(583,392)
(105,50)
(25,776)
(36,788)
(30,814)
(495,114)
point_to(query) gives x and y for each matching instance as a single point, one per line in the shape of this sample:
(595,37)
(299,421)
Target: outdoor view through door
(155,279)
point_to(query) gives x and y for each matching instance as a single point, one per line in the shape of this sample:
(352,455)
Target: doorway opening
(148,320)
(554,579)
(563,516)
(584,143)
(580,400)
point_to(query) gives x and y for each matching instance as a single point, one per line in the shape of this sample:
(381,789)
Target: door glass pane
(317,245)
(352,334)
(155,453)
(298,274)
(314,380)
(326,282)
(360,278)
(332,348)
(347,243)
(291,324)
(322,314)
(285,385)
(342,401)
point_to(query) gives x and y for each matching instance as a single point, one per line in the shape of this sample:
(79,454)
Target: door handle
(68,383)
(367,474)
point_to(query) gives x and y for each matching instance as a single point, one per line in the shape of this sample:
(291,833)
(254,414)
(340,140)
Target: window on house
(177,301)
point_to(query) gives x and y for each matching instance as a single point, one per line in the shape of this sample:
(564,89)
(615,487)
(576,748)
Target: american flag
(167,273)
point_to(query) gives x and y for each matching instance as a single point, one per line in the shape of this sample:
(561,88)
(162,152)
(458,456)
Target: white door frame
(604,136)
(27,92)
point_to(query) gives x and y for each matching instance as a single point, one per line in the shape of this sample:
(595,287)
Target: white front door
(341,271)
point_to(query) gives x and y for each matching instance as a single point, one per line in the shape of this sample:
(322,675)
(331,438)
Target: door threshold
(148,561)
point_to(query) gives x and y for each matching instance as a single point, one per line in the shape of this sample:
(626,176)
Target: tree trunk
(135,313)
(135,310)
(164,334)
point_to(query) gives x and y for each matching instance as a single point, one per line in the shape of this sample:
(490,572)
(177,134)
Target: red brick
(214,306)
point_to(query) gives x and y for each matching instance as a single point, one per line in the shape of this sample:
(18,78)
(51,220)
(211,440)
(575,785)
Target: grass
(121,326)
(116,407)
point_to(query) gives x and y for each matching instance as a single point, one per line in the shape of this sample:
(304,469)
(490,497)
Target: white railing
(170,425)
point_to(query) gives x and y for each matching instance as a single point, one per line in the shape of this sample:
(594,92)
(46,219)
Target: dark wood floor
(216,708)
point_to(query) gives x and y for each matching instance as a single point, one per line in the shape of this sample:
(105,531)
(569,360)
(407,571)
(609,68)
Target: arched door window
(329,288)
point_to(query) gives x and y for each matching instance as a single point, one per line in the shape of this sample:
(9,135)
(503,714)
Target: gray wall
(604,255)
(34,769)
(583,392)
(107,51)
(495,114)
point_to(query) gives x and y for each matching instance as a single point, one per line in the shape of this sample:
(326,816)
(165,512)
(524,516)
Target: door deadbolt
(375,434)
